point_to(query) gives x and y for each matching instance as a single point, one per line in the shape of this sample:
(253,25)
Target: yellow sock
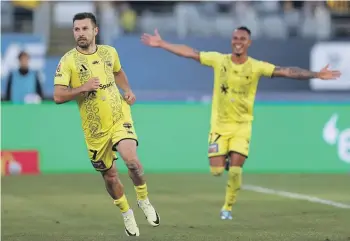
(122,203)
(141,192)
(234,183)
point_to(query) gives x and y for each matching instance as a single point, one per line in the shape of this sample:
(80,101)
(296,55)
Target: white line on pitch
(295,196)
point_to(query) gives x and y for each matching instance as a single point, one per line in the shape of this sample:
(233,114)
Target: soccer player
(236,77)
(90,75)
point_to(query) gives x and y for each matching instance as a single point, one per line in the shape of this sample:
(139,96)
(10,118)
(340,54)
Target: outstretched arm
(178,49)
(294,73)
(303,74)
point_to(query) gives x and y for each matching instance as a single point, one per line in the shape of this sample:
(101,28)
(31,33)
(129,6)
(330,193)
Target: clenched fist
(129,97)
(92,84)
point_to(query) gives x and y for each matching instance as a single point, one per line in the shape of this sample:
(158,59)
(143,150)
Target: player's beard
(85,44)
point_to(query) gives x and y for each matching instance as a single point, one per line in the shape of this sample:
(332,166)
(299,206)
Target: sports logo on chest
(84,72)
(82,67)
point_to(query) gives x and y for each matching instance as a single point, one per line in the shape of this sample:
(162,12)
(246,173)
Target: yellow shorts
(221,143)
(102,151)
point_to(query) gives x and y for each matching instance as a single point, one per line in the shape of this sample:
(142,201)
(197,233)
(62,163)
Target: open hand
(152,40)
(129,97)
(327,74)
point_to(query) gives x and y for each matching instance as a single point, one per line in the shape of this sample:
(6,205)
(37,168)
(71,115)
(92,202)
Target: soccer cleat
(225,215)
(149,211)
(131,228)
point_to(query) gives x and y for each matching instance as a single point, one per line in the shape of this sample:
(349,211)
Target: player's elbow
(58,99)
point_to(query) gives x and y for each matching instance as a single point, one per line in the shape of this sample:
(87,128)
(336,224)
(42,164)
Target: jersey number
(97,164)
(214,136)
(94,155)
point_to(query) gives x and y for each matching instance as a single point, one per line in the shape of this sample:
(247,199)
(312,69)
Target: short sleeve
(209,58)
(266,69)
(116,66)
(63,73)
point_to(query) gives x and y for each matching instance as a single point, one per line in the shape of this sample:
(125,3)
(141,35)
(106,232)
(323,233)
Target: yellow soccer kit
(234,93)
(106,117)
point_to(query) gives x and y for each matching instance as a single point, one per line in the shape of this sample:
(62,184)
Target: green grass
(77,208)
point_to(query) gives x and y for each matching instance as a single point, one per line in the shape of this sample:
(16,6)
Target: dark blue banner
(155,74)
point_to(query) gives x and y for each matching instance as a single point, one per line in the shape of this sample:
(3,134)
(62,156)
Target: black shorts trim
(224,155)
(114,148)
(107,169)
(229,153)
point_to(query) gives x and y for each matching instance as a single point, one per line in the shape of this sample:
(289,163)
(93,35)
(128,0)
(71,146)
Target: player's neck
(239,59)
(90,50)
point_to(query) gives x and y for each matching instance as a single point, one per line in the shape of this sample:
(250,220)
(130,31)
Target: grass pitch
(77,208)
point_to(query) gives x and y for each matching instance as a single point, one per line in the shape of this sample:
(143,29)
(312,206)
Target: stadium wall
(287,137)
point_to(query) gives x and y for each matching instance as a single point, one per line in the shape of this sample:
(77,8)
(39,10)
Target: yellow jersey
(101,109)
(235,88)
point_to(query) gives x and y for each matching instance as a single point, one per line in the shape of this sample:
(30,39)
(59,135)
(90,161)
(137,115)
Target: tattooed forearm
(294,73)
(64,94)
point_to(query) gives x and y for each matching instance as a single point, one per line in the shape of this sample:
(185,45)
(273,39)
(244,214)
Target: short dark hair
(85,15)
(22,54)
(244,28)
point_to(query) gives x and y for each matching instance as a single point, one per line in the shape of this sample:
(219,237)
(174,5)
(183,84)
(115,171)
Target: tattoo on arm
(294,73)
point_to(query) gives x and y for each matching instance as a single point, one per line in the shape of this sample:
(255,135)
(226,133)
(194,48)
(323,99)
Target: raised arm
(303,74)
(181,50)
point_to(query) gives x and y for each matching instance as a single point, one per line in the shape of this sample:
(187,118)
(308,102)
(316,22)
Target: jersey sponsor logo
(239,92)
(58,67)
(20,162)
(332,135)
(103,87)
(96,62)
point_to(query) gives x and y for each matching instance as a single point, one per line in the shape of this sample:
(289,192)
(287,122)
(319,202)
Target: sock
(234,183)
(141,192)
(122,203)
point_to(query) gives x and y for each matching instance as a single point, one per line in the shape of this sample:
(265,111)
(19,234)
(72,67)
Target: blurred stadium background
(301,136)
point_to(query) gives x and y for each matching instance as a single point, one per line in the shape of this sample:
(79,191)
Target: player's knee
(110,177)
(216,171)
(134,166)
